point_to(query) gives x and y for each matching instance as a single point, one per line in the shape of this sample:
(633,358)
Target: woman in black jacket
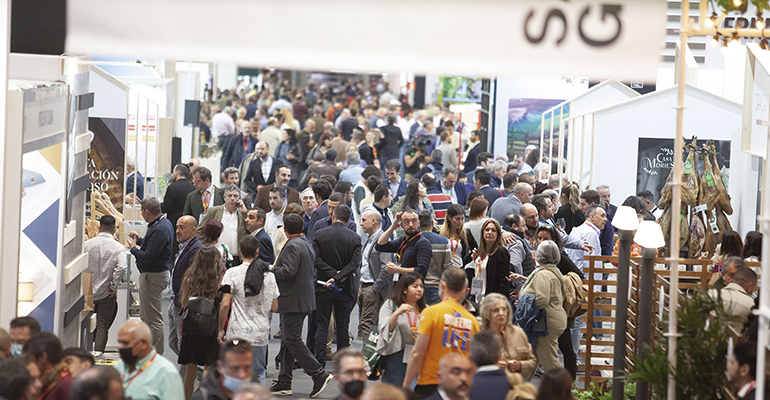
(565,266)
(570,209)
(491,267)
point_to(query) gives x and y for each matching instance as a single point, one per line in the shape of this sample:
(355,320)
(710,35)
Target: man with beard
(45,350)
(282,178)
(349,373)
(413,251)
(255,224)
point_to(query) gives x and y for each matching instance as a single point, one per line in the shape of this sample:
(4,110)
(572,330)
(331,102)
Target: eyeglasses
(233,343)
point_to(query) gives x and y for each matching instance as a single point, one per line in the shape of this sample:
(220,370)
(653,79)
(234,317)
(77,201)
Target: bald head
(529,212)
(185,228)
(455,375)
(382,391)
(137,330)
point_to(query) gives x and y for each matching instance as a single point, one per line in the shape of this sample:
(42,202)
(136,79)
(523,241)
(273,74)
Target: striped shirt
(440,202)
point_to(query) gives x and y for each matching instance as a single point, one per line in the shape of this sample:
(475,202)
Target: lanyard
(405,243)
(412,324)
(454,245)
(532,240)
(147,364)
(246,144)
(58,379)
(478,265)
(207,201)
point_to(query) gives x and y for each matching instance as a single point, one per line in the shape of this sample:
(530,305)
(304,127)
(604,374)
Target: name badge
(407,352)
(477,287)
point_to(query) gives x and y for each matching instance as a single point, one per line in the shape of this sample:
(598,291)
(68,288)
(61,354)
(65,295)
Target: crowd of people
(331,200)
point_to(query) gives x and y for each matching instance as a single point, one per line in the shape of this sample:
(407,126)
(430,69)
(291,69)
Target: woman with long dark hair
(398,321)
(461,242)
(487,268)
(731,246)
(752,247)
(324,143)
(555,385)
(200,281)
(416,198)
(570,210)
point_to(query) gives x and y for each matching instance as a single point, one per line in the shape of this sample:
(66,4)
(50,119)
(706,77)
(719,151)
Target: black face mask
(353,389)
(128,356)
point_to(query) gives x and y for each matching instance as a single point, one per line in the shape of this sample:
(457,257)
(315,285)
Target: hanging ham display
(704,202)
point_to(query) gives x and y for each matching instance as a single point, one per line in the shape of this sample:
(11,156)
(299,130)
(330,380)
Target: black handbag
(200,318)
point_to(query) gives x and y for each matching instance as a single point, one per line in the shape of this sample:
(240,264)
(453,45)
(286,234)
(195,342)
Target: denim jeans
(431,296)
(259,362)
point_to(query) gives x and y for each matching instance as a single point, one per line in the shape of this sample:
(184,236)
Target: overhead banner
(598,39)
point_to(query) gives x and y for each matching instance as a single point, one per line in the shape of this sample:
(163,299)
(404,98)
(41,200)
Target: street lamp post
(650,237)
(626,221)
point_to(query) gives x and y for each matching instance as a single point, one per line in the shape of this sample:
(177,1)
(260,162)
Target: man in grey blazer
(376,283)
(293,272)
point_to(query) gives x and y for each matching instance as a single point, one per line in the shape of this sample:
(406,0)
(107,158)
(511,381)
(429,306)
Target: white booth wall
(707,116)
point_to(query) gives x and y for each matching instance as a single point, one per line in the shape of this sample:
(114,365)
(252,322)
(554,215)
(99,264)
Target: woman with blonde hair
(570,209)
(199,293)
(289,122)
(516,353)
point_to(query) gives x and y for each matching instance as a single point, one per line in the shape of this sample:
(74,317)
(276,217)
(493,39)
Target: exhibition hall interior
(400,200)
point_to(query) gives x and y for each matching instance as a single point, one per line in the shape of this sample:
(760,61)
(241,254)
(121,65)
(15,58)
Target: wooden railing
(699,273)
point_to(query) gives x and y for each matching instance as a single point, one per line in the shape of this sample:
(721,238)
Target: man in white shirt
(232,215)
(222,124)
(106,264)
(588,232)
(376,283)
(249,316)
(275,216)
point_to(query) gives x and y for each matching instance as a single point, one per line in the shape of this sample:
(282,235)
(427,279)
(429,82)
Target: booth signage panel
(600,39)
(656,160)
(45,115)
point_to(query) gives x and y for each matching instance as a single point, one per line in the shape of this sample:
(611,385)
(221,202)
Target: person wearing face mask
(22,329)
(349,373)
(232,372)
(145,373)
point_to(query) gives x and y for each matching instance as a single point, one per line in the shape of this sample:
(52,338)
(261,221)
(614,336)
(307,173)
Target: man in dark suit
(481,180)
(397,185)
(455,377)
(470,158)
(364,150)
(134,177)
(449,186)
(489,382)
(390,142)
(176,194)
(255,224)
(189,245)
(337,259)
(255,176)
(376,283)
(205,195)
(741,369)
(294,275)
(282,178)
(240,145)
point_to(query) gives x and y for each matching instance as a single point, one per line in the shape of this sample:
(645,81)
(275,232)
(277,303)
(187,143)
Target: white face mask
(16,349)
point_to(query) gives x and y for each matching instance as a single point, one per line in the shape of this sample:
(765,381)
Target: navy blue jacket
(489,385)
(266,251)
(155,254)
(234,153)
(460,191)
(183,262)
(326,222)
(491,194)
(606,235)
(470,160)
(139,185)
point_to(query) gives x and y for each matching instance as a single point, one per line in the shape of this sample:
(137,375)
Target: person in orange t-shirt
(444,328)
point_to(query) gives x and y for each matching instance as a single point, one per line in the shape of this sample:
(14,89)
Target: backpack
(439,174)
(575,296)
(200,317)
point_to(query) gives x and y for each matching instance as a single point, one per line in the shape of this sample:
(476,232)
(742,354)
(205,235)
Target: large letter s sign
(614,10)
(553,14)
